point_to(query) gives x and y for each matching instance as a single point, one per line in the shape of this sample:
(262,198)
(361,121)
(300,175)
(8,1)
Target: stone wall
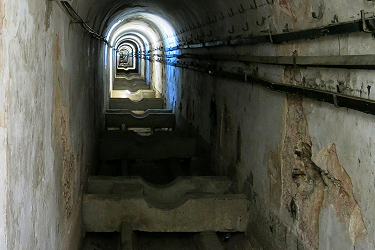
(306,166)
(47,125)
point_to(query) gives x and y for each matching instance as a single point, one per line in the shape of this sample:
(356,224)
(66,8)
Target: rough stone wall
(47,125)
(305,165)
(4,87)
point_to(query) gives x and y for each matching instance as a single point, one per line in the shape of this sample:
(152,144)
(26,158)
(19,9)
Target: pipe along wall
(305,165)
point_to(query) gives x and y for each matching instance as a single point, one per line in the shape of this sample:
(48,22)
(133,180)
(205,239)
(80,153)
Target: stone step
(170,192)
(134,96)
(137,113)
(198,213)
(141,121)
(160,171)
(129,77)
(129,135)
(131,88)
(147,148)
(143,104)
(131,85)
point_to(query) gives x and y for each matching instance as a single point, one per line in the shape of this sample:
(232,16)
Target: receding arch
(152,36)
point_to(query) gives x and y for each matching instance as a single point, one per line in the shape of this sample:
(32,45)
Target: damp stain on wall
(48,13)
(274,175)
(61,120)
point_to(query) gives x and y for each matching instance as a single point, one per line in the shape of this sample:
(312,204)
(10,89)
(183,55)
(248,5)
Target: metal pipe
(336,29)
(347,62)
(337,99)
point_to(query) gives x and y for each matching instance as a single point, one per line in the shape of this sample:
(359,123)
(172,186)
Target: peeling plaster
(303,188)
(308,187)
(339,194)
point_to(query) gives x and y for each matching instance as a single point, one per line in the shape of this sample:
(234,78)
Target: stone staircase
(146,183)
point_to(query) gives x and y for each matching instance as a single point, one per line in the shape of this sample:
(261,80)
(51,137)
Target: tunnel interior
(187,124)
(141,35)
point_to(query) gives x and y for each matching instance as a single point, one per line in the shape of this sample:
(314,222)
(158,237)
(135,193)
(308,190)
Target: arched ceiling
(134,39)
(174,12)
(218,19)
(155,14)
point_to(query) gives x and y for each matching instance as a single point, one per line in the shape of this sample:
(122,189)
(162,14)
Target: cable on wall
(73,14)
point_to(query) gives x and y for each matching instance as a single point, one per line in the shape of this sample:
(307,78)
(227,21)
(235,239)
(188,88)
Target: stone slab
(132,85)
(135,136)
(181,186)
(139,121)
(218,213)
(179,147)
(135,113)
(134,96)
(126,103)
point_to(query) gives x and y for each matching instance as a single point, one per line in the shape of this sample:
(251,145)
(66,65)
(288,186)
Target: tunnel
(168,124)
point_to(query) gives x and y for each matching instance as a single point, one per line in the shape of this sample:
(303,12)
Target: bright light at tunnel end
(148,32)
(140,23)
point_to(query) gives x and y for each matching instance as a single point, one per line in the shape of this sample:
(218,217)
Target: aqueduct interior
(273,97)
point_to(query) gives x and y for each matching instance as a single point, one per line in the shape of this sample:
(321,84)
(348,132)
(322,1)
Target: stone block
(138,112)
(144,104)
(198,213)
(179,147)
(140,121)
(127,236)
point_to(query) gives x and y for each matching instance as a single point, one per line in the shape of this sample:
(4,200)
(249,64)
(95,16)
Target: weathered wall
(4,86)
(306,166)
(47,125)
